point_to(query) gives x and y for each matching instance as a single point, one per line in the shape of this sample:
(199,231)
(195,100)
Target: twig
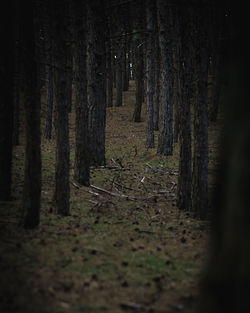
(92,202)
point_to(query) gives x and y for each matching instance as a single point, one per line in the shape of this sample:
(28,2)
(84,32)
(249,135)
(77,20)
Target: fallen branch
(113,194)
(75,185)
(114,168)
(92,202)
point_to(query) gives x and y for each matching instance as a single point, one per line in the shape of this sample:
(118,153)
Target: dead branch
(113,194)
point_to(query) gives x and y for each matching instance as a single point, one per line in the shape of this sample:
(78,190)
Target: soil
(125,249)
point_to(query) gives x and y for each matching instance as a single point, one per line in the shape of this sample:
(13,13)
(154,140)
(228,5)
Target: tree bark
(61,108)
(157,67)
(139,69)
(150,77)
(109,55)
(32,172)
(165,142)
(200,159)
(119,74)
(50,100)
(185,171)
(81,168)
(96,80)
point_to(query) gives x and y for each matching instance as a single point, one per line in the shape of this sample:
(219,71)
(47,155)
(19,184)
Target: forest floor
(125,249)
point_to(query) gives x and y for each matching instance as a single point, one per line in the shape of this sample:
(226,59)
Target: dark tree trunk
(157,79)
(50,73)
(50,99)
(109,72)
(128,61)
(200,159)
(69,82)
(81,171)
(185,171)
(165,142)
(226,280)
(177,83)
(125,65)
(17,77)
(96,80)
(16,92)
(150,76)
(32,173)
(61,107)
(139,73)
(216,41)
(114,70)
(69,78)
(119,73)
(6,99)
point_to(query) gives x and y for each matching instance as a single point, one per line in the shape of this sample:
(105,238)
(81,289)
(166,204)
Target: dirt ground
(124,248)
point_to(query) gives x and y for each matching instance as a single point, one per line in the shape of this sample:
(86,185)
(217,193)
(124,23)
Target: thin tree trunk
(81,168)
(185,172)
(150,77)
(177,84)
(119,78)
(125,65)
(32,172)
(50,99)
(96,80)
(61,108)
(109,73)
(138,82)
(165,142)
(200,159)
(157,80)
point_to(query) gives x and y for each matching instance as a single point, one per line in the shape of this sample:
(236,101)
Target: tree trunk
(225,286)
(50,74)
(125,65)
(138,81)
(177,83)
(6,99)
(119,73)
(17,78)
(200,159)
(96,81)
(165,142)
(109,72)
(61,108)
(50,99)
(81,169)
(150,77)
(32,172)
(185,172)
(157,67)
